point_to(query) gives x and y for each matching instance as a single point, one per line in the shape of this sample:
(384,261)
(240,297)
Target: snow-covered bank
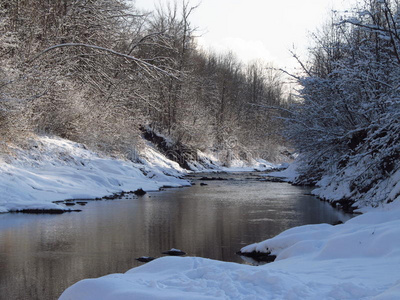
(288,174)
(209,162)
(356,260)
(342,188)
(54,169)
(57,169)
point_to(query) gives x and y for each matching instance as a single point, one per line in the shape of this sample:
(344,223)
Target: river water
(41,255)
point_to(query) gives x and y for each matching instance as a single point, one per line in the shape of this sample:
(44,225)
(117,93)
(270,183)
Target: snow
(338,186)
(289,172)
(57,169)
(356,260)
(209,162)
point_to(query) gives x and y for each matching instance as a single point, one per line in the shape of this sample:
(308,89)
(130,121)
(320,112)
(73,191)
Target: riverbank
(42,255)
(52,169)
(355,260)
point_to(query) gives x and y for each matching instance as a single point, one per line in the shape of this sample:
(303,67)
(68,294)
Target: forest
(346,124)
(99,72)
(104,73)
(122,137)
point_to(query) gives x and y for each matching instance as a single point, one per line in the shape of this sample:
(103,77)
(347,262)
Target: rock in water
(139,192)
(145,259)
(174,252)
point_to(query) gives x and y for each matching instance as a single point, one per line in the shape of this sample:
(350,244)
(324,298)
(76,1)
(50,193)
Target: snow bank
(356,260)
(58,169)
(55,169)
(209,162)
(341,187)
(337,187)
(289,173)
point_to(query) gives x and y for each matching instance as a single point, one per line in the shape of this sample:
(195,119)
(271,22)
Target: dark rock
(81,202)
(145,259)
(357,138)
(203,184)
(258,256)
(178,152)
(139,192)
(345,204)
(69,203)
(174,252)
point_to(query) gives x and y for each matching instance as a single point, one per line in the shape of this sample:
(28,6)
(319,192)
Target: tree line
(346,122)
(96,71)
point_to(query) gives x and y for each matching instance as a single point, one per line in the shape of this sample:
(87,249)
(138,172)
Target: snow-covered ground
(356,260)
(288,174)
(338,186)
(57,169)
(209,162)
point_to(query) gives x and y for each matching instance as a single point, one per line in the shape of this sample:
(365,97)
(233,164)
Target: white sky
(257,29)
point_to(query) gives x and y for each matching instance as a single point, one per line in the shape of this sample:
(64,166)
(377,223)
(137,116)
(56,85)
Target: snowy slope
(58,169)
(210,162)
(54,169)
(356,260)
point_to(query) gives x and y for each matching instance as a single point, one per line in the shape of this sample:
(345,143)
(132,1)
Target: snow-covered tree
(346,123)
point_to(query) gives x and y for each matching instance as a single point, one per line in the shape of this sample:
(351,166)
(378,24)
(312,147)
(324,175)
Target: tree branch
(144,64)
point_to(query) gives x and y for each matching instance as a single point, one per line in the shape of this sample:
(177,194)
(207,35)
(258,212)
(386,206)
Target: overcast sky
(257,29)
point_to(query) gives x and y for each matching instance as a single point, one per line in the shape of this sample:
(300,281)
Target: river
(41,255)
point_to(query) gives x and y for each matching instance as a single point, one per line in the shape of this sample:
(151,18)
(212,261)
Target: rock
(139,192)
(145,259)
(82,203)
(69,203)
(258,256)
(203,184)
(174,252)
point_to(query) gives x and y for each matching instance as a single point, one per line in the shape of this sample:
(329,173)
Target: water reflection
(42,255)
